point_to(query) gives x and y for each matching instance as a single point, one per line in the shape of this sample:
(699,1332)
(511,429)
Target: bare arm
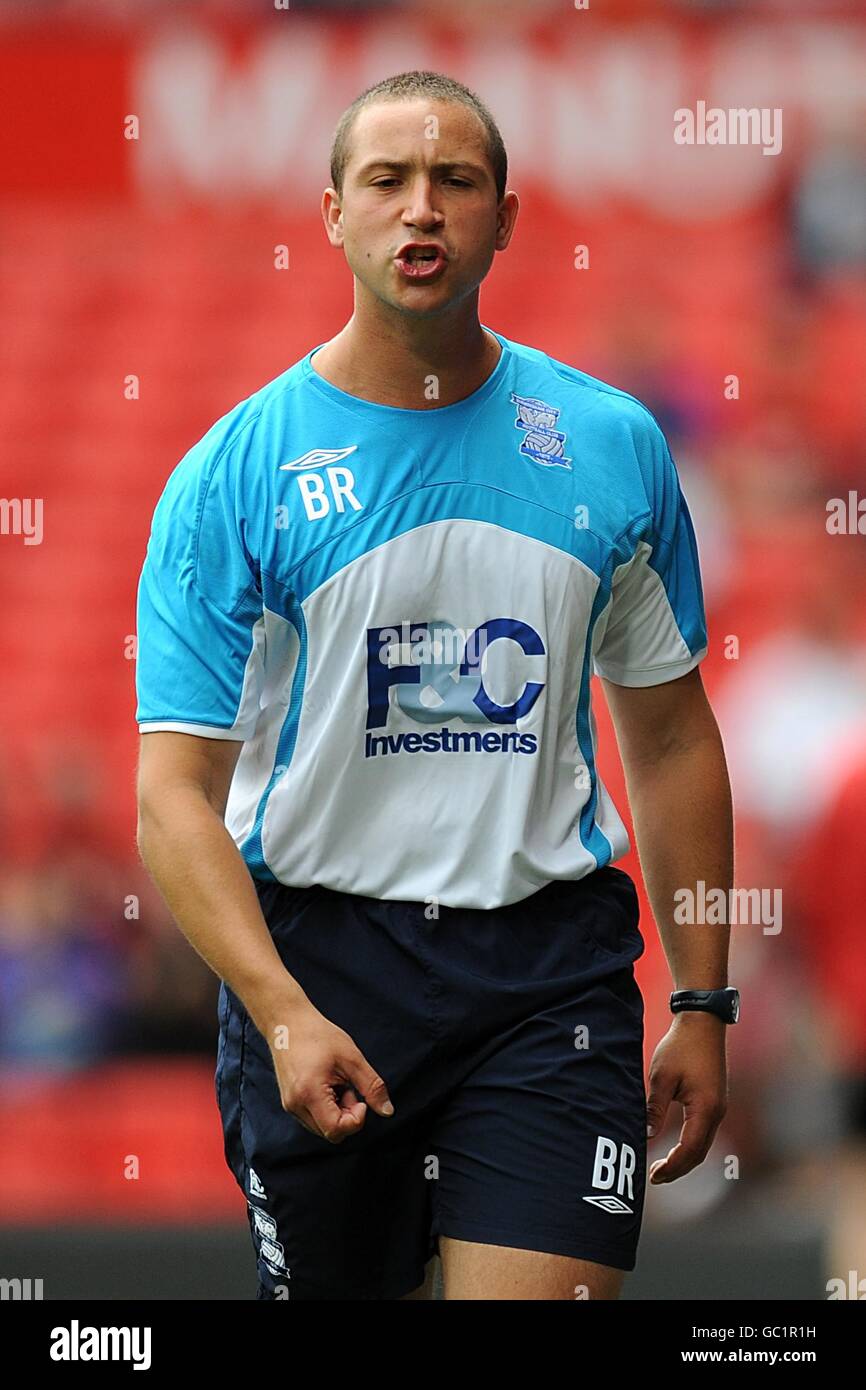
(680,798)
(183,786)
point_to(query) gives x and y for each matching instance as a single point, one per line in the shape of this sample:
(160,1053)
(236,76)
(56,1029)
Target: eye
(389,181)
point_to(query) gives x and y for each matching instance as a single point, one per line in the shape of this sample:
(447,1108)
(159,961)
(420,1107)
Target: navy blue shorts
(511,1043)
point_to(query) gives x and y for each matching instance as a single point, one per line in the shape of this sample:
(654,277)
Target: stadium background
(153,258)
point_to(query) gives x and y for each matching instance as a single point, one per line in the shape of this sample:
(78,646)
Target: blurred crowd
(93,967)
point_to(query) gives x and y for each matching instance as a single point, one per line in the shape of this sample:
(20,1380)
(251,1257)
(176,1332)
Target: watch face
(735,1005)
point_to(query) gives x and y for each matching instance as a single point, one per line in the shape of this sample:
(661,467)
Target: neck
(415,363)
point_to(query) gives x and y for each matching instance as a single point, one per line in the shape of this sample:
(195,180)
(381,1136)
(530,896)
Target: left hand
(689,1066)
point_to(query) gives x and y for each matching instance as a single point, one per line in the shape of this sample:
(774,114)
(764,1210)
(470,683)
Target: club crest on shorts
(256,1188)
(541,440)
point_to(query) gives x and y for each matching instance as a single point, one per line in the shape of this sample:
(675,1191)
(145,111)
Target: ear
(506,216)
(332,216)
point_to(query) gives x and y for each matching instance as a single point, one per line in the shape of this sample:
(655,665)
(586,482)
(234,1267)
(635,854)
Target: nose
(419,210)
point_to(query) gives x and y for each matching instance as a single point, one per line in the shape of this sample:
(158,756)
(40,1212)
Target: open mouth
(420,260)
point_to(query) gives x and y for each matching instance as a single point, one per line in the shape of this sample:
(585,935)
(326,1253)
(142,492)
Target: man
(373,598)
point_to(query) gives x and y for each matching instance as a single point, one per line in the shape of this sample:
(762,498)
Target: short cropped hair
(405,86)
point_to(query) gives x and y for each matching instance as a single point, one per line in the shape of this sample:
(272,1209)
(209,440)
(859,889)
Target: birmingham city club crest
(541,441)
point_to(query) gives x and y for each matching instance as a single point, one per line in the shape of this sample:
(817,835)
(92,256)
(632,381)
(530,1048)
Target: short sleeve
(200,621)
(654,626)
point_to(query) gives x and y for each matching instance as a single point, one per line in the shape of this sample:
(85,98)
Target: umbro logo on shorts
(611,1204)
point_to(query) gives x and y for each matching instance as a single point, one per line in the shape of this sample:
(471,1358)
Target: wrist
(698,1018)
(275,1003)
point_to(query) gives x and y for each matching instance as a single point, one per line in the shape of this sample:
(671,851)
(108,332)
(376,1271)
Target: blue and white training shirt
(399,611)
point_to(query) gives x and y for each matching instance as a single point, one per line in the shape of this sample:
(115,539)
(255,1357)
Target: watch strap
(724,1003)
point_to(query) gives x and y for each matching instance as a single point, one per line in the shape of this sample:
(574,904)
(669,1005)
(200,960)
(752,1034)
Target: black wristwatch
(724,1003)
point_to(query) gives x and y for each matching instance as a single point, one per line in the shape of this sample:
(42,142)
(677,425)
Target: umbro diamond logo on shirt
(317,458)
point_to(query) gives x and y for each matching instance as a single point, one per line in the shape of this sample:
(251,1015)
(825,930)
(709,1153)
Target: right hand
(320,1074)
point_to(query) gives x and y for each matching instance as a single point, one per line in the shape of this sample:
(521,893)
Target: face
(418,220)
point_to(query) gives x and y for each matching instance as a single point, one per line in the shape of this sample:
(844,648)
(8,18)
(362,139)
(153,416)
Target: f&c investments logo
(440,672)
